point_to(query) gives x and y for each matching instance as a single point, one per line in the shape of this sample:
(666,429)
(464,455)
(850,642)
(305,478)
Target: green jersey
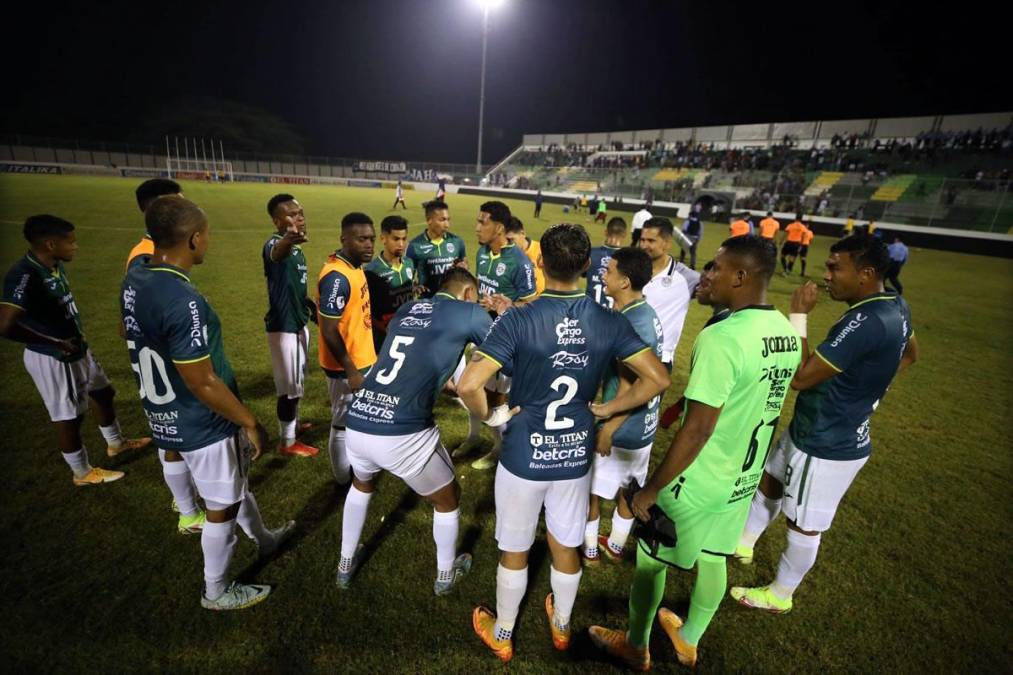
(433,257)
(44,294)
(287,310)
(509,272)
(742,365)
(389,287)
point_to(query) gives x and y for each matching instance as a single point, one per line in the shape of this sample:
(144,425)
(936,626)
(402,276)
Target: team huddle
(561,349)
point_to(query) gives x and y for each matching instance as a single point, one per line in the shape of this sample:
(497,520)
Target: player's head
(437,218)
(287,214)
(515,231)
(493,217)
(629,270)
(52,236)
(460,283)
(703,288)
(742,270)
(177,224)
(770,214)
(566,252)
(615,229)
(394,235)
(656,237)
(150,190)
(357,238)
(856,267)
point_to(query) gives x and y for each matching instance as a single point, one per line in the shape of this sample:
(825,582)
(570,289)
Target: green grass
(913,576)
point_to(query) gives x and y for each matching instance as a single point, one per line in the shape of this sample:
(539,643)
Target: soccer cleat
(97,476)
(468,446)
(614,643)
(236,596)
(760,597)
(299,449)
(560,636)
(590,560)
(484,623)
(487,461)
(743,554)
(128,445)
(462,565)
(671,623)
(609,552)
(344,579)
(191,524)
(279,536)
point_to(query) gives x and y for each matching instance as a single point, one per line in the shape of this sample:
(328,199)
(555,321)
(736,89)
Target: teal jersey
(742,365)
(432,258)
(49,305)
(167,322)
(600,258)
(389,287)
(639,428)
(509,272)
(287,309)
(864,347)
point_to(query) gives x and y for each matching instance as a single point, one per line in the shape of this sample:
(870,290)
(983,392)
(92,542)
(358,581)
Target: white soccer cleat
(236,596)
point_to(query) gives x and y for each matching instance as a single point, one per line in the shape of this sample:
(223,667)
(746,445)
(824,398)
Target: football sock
(474,427)
(286,432)
(591,538)
(564,595)
(762,512)
(645,597)
(112,434)
(445,526)
(340,465)
(177,478)
(784,264)
(353,519)
(78,462)
(250,520)
(218,540)
(708,591)
(798,558)
(510,588)
(620,532)
(803,267)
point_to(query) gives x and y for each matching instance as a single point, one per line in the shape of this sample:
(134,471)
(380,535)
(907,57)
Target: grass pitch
(912,577)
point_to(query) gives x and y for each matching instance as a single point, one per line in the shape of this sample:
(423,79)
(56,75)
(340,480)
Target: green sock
(708,591)
(645,597)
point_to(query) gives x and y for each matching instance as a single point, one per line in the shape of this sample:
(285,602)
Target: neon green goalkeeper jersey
(742,365)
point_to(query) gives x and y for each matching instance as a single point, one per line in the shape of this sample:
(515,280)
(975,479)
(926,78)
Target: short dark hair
(755,248)
(770,213)
(355,218)
(566,251)
(391,223)
(635,265)
(170,221)
(662,224)
(865,251)
(44,226)
(434,206)
(272,204)
(150,190)
(515,225)
(708,266)
(616,227)
(498,212)
(458,276)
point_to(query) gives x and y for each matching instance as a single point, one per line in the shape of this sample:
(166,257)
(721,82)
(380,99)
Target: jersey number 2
(551,423)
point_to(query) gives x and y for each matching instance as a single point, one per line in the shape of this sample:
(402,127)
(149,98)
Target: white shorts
(64,387)
(419,459)
(341,398)
(813,487)
(609,474)
(288,361)
(499,384)
(456,377)
(220,470)
(519,502)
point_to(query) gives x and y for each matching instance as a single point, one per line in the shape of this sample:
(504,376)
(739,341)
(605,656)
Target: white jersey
(400,192)
(639,218)
(669,294)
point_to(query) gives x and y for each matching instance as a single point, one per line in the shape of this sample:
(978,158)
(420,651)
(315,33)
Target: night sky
(381,79)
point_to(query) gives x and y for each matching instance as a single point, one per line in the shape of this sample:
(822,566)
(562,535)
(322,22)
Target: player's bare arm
(12,329)
(336,344)
(813,370)
(910,355)
(283,248)
(603,441)
(652,380)
(471,388)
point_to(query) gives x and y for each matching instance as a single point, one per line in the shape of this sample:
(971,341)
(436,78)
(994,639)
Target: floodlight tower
(486,6)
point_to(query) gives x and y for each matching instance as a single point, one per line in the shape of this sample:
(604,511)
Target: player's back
(600,257)
(795,230)
(769,227)
(424,342)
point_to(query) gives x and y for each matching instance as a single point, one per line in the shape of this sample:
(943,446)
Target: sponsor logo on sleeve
(849,328)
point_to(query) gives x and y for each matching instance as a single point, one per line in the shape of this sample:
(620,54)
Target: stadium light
(486,6)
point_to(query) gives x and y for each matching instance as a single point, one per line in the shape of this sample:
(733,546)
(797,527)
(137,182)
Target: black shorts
(803,251)
(790,248)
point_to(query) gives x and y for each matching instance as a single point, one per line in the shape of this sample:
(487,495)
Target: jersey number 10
(145,366)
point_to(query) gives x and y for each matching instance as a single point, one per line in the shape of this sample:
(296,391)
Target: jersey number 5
(388,376)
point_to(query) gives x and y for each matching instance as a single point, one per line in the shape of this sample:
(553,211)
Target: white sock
(250,520)
(620,532)
(564,594)
(510,588)
(286,432)
(78,462)
(218,540)
(353,519)
(112,434)
(474,427)
(798,558)
(445,527)
(177,478)
(591,537)
(762,512)
(340,465)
